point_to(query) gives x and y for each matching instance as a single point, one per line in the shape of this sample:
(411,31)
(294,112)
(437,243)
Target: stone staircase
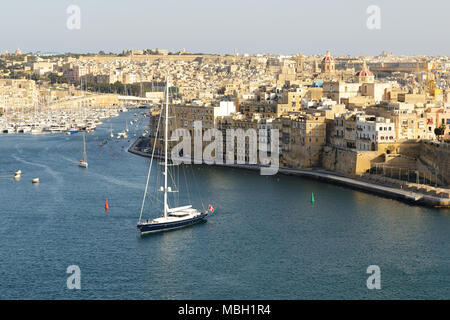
(408,186)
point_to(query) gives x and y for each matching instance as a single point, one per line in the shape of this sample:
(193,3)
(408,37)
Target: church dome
(328,57)
(328,64)
(364,73)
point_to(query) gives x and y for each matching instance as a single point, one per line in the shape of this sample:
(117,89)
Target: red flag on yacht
(211,208)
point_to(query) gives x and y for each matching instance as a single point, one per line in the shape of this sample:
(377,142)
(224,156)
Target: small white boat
(18,174)
(83,162)
(23,130)
(56,129)
(122,135)
(36,181)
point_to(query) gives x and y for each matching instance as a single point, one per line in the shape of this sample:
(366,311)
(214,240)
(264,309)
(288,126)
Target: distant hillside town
(375,116)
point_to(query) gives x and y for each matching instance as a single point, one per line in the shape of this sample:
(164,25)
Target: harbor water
(265,240)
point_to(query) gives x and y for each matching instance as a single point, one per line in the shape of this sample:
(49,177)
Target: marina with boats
(71,115)
(138,127)
(56,121)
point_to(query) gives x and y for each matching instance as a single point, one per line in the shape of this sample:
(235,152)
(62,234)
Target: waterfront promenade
(411,197)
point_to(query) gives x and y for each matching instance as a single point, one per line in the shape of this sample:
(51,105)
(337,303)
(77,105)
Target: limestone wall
(401,161)
(301,157)
(437,157)
(407,148)
(349,162)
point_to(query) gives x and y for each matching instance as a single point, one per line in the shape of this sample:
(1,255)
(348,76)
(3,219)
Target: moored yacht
(172,218)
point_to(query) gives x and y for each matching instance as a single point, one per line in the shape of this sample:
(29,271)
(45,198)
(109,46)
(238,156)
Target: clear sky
(210,26)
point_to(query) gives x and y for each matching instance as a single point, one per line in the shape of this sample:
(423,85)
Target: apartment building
(371,131)
(242,149)
(18,93)
(439,116)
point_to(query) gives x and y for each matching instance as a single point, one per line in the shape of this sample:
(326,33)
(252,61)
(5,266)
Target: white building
(41,68)
(225,108)
(265,140)
(371,130)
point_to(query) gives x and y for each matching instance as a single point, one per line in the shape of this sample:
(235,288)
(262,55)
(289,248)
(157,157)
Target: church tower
(365,76)
(300,66)
(328,63)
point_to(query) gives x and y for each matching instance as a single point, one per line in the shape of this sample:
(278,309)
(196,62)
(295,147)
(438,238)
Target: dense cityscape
(384,119)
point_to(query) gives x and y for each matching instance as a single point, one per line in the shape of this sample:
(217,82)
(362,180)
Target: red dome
(364,73)
(328,57)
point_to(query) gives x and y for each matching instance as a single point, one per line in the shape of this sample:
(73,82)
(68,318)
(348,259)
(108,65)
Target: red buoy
(106,205)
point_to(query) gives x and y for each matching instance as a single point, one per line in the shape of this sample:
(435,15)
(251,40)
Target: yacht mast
(166,133)
(84,147)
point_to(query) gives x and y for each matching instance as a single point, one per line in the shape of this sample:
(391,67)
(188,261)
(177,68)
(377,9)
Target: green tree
(53,77)
(440,131)
(18,75)
(118,87)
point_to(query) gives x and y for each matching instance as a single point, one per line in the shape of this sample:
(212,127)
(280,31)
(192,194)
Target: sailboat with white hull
(83,162)
(172,218)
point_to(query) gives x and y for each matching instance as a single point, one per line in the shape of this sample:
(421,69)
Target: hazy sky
(250,26)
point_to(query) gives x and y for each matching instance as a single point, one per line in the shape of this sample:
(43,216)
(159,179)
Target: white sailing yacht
(83,162)
(172,218)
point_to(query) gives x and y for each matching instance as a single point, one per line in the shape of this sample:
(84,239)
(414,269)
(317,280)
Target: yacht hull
(161,227)
(83,164)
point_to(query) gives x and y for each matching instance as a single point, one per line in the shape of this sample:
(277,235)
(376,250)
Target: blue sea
(265,240)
